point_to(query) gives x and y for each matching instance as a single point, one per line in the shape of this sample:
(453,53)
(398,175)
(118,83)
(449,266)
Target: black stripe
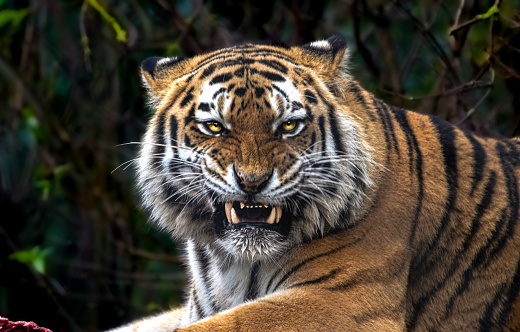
(513,202)
(188,98)
(271,76)
(386,130)
(239,72)
(388,126)
(191,115)
(318,280)
(240,92)
(446,138)
(482,207)
(174,194)
(259,92)
(422,266)
(208,71)
(286,97)
(187,141)
(259,52)
(225,61)
(223,78)
(336,135)
(198,309)
(321,124)
(394,265)
(308,79)
(276,65)
(508,161)
(159,148)
(479,161)
(203,261)
(296,106)
(219,91)
(297,267)
(411,140)
(498,241)
(173,135)
(511,295)
(387,115)
(311,97)
(313,141)
(252,288)
(513,153)
(357,92)
(487,323)
(267,104)
(204,107)
(308,112)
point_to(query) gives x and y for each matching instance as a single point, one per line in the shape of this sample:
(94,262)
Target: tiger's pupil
(289,125)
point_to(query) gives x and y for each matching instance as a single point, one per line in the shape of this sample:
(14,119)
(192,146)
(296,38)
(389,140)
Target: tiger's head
(252,149)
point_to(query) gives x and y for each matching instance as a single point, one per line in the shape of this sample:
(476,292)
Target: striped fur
(391,220)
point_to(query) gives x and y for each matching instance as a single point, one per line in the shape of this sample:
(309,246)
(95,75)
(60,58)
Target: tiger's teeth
(227,207)
(234,218)
(278,214)
(242,205)
(272,216)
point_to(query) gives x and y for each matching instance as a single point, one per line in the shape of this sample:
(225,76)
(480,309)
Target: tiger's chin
(252,231)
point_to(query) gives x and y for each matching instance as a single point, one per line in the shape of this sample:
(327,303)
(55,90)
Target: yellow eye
(214,126)
(288,125)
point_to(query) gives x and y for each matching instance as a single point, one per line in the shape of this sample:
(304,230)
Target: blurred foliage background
(76,252)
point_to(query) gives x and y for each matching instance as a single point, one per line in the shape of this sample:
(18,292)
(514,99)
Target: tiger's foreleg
(305,309)
(165,322)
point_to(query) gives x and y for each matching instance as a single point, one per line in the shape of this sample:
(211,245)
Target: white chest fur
(219,282)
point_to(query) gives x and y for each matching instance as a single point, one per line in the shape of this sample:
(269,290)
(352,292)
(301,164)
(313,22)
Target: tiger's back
(307,203)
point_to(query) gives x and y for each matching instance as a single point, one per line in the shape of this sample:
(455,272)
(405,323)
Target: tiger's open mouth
(248,215)
(255,213)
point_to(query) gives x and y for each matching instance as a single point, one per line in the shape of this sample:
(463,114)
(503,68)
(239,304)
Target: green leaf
(121,34)
(173,49)
(34,257)
(12,17)
(491,11)
(59,171)
(45,186)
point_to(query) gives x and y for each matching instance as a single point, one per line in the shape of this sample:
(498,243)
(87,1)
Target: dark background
(76,252)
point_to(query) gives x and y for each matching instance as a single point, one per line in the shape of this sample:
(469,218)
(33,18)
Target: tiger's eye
(288,125)
(214,127)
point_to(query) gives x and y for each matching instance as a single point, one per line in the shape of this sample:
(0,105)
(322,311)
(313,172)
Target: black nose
(251,182)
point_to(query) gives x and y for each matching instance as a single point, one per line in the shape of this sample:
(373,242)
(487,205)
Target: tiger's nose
(251,182)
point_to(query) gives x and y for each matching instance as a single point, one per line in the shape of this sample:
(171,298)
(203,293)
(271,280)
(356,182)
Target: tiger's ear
(159,73)
(327,57)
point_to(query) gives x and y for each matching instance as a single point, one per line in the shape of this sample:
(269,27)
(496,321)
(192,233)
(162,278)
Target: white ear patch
(166,61)
(323,44)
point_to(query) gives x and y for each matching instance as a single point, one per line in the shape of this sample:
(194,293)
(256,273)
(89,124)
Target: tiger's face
(250,151)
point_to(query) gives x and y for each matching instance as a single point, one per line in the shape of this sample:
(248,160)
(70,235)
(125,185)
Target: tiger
(305,203)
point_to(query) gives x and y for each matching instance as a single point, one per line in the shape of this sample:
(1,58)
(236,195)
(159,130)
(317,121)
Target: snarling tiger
(307,204)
